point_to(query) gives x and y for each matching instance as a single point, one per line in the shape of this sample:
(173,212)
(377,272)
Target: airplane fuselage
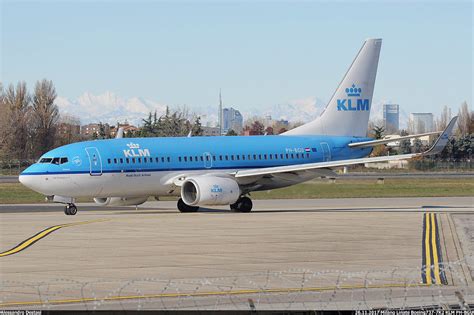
(144,166)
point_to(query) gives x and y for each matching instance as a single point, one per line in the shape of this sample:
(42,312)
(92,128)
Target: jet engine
(209,190)
(120,201)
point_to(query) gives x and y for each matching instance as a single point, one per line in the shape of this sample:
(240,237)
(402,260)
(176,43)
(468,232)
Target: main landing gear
(243,204)
(70,209)
(186,208)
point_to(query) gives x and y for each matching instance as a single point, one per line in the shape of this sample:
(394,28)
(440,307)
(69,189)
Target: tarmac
(286,254)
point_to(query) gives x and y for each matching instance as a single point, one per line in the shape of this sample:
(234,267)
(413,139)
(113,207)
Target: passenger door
(207,159)
(95,161)
(326,151)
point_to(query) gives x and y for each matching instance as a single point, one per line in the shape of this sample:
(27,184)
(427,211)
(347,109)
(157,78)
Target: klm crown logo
(346,104)
(353,91)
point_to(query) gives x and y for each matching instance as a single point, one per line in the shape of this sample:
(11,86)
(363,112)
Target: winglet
(119,133)
(442,140)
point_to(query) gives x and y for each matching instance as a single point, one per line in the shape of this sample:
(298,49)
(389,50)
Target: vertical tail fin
(347,113)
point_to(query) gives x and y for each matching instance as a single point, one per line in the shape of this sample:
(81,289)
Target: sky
(259,53)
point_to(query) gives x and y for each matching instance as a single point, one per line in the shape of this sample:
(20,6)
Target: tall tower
(220,113)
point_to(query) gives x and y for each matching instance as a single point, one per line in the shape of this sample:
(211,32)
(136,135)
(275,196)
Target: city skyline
(261,55)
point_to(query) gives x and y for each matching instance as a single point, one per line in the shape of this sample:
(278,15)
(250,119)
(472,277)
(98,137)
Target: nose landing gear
(70,209)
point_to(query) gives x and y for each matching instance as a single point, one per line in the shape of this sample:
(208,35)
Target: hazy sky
(260,53)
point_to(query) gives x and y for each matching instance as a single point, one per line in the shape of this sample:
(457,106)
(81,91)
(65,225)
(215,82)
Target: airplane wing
(437,147)
(373,143)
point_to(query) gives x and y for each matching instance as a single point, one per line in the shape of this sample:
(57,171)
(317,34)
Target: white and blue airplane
(221,170)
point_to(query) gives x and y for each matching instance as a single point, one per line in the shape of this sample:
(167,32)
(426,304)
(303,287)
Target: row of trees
(28,122)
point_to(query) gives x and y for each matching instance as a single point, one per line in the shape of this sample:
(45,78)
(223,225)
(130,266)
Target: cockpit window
(56,160)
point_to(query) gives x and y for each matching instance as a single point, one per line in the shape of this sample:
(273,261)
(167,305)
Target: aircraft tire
(244,204)
(184,208)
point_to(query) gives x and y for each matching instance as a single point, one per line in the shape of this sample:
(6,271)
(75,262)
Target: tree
(464,119)
(417,146)
(282,130)
(378,132)
(269,131)
(196,129)
(257,128)
(45,116)
(16,132)
(405,147)
(231,132)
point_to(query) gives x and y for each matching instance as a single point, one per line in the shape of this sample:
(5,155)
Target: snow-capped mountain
(108,108)
(111,108)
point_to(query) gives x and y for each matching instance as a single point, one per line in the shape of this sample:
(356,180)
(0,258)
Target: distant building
(210,131)
(421,123)
(89,129)
(232,119)
(391,117)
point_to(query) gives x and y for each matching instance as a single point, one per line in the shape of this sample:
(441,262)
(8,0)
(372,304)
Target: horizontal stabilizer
(373,143)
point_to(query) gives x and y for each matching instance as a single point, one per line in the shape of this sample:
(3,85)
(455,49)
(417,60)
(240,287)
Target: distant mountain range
(111,108)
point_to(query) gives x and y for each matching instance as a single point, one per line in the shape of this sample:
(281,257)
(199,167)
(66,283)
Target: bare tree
(464,119)
(15,108)
(45,116)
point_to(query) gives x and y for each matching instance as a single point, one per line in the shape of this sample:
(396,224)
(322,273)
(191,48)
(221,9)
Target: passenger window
(157,159)
(121,161)
(207,158)
(254,156)
(297,155)
(108,161)
(115,161)
(190,159)
(127,160)
(281,156)
(133,160)
(270,156)
(249,157)
(220,157)
(287,156)
(202,159)
(169,159)
(238,157)
(213,157)
(307,155)
(179,159)
(232,157)
(63,160)
(259,156)
(185,159)
(292,156)
(139,160)
(276,156)
(145,159)
(243,156)
(265,156)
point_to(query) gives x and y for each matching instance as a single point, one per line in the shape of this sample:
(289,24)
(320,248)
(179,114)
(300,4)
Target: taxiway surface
(326,253)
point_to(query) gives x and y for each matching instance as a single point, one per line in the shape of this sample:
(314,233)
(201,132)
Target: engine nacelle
(120,201)
(209,190)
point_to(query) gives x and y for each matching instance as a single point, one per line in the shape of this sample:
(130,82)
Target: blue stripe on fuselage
(79,161)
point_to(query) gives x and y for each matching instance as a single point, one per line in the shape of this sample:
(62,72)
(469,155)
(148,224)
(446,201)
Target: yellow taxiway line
(211,293)
(30,241)
(431,252)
